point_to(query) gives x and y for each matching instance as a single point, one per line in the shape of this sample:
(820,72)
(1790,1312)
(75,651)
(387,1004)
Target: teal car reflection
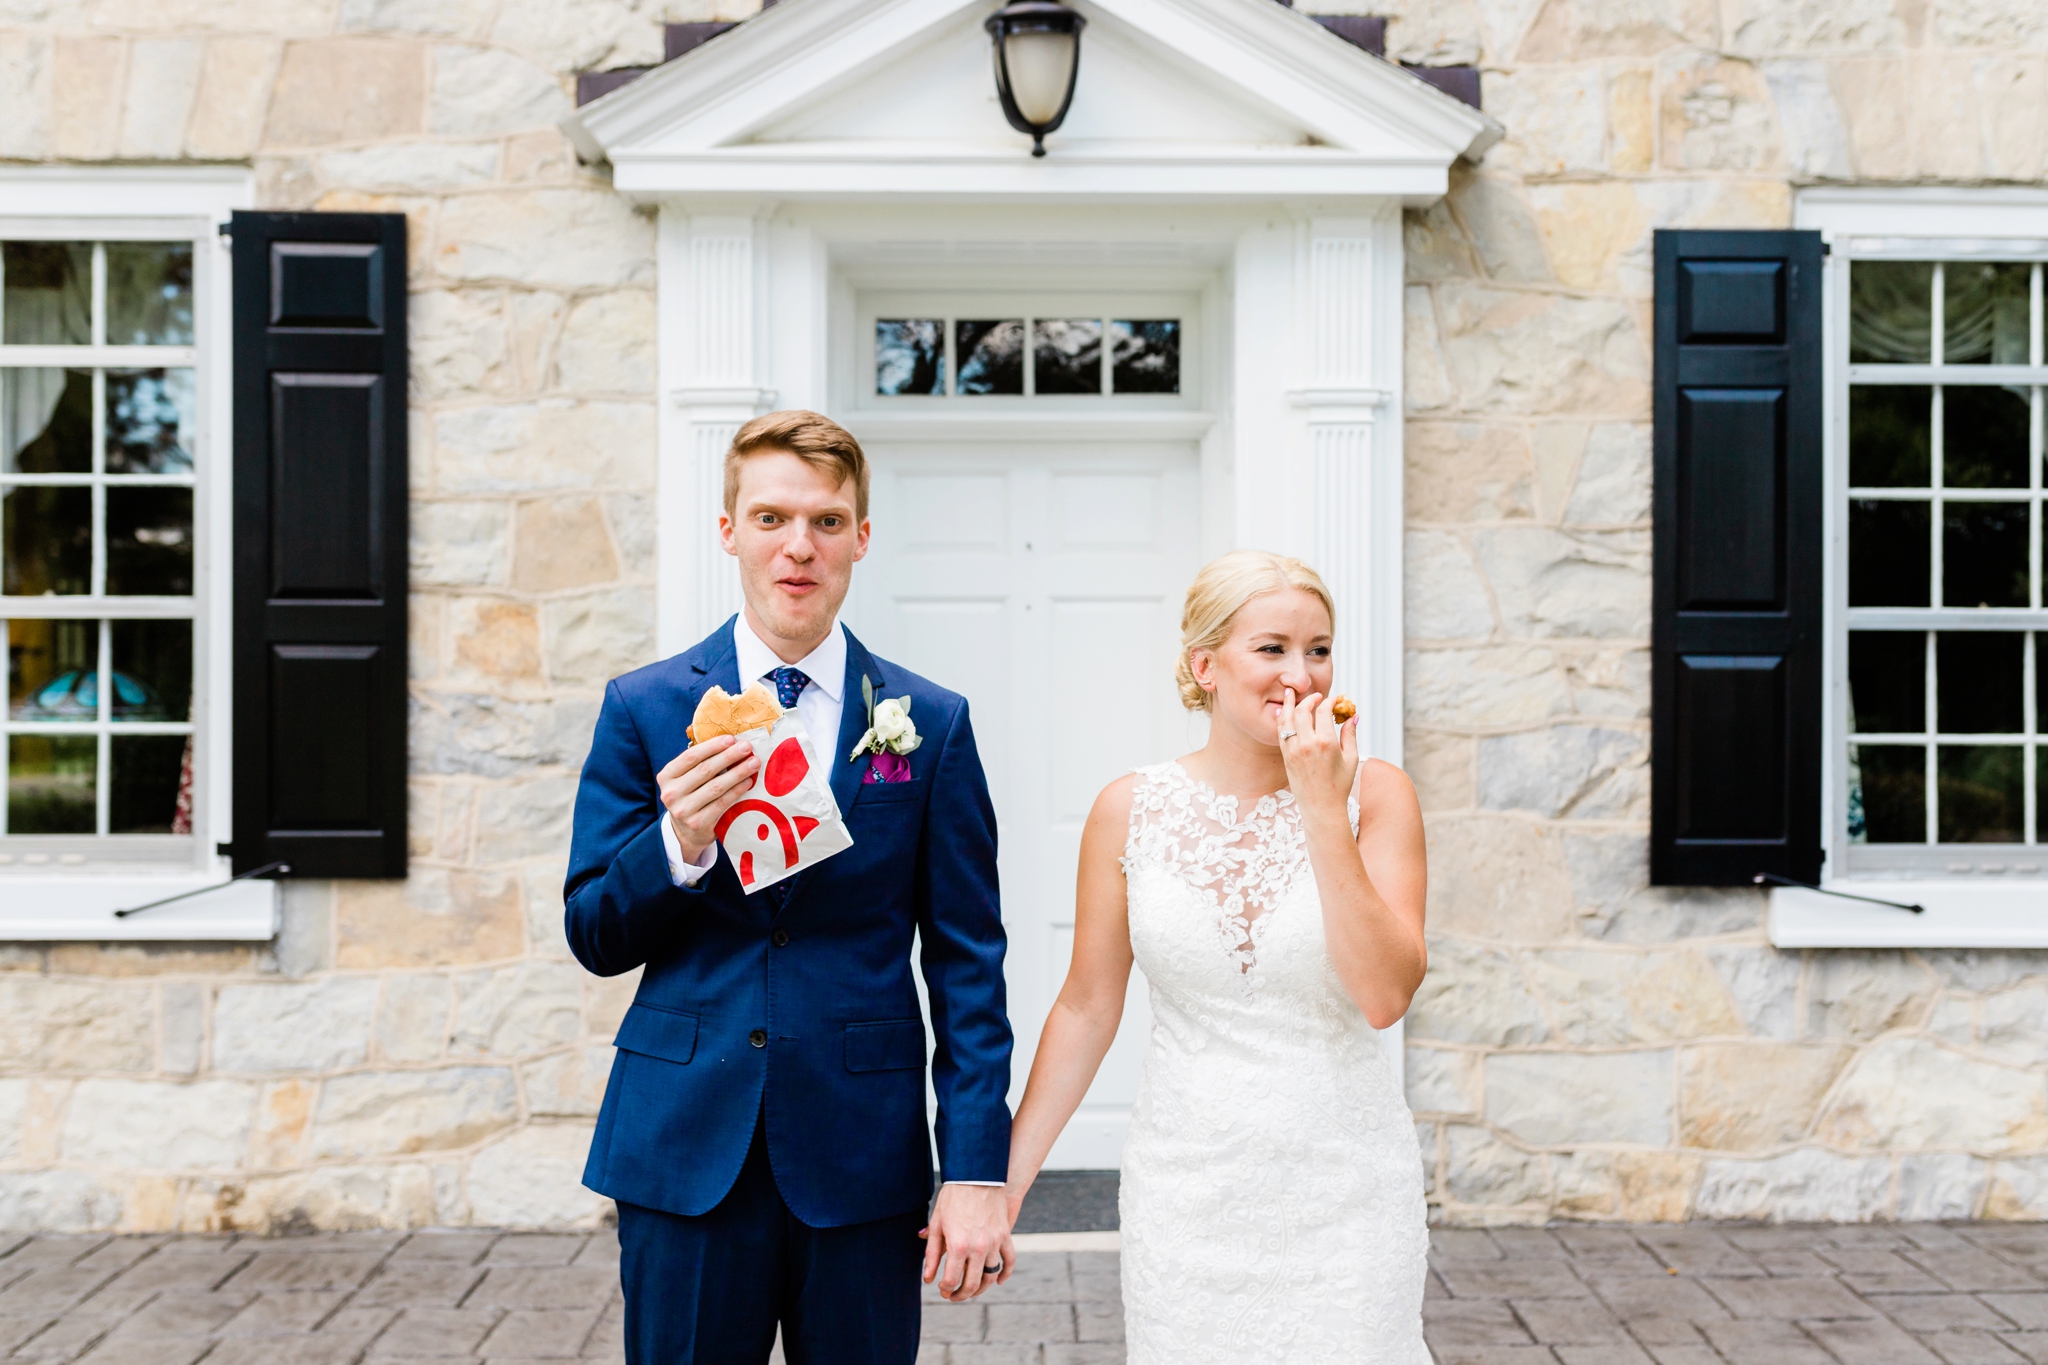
(76,696)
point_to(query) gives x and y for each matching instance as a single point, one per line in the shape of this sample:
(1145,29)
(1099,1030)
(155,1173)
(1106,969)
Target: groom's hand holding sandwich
(764,1131)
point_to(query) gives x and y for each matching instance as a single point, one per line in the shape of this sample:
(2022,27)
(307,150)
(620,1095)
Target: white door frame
(1300,425)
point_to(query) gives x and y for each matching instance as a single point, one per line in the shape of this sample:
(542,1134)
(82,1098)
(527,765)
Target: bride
(1271,887)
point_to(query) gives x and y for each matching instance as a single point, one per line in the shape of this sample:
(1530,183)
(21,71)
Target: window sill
(1959,914)
(81,907)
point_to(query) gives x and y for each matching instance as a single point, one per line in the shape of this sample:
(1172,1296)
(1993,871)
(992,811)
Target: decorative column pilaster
(712,329)
(1350,283)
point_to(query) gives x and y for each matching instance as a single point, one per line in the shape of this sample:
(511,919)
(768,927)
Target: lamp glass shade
(1041,66)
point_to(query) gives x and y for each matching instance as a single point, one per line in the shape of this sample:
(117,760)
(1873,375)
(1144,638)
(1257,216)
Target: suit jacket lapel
(853,722)
(717,661)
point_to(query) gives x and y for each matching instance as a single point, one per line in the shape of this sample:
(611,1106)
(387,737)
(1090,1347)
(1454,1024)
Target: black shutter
(320,543)
(1735,712)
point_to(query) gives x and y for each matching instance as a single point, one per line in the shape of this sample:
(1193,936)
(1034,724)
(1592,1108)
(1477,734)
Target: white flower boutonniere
(890,728)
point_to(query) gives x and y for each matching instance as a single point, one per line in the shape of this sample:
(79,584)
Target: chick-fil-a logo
(786,767)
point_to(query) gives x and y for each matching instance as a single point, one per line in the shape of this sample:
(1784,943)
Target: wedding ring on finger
(995,1269)
(1287,734)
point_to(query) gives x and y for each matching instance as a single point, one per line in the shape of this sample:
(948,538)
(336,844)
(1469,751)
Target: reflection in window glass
(1891,430)
(990,355)
(1979,682)
(149,421)
(1145,357)
(45,541)
(1888,553)
(910,356)
(45,421)
(1984,554)
(1887,682)
(123,526)
(53,670)
(1066,355)
(149,775)
(152,670)
(1978,798)
(46,293)
(149,293)
(1891,318)
(149,542)
(1984,313)
(52,785)
(1894,784)
(1983,437)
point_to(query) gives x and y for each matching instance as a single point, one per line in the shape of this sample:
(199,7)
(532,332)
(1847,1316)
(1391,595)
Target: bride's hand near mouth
(1321,756)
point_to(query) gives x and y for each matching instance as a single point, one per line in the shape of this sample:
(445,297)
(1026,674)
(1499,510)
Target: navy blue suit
(771,1066)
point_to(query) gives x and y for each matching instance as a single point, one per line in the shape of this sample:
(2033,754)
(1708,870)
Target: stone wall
(426,1051)
(410,1053)
(1587,1046)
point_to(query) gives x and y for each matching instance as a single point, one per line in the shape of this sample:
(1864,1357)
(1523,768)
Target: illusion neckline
(1284,796)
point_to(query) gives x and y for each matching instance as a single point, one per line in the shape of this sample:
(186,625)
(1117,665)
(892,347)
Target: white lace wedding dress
(1272,1186)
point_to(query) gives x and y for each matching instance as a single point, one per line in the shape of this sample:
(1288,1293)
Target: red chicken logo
(772,830)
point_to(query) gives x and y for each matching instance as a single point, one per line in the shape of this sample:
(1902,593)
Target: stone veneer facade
(426,1052)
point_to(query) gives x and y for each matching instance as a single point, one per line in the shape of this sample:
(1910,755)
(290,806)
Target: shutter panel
(320,542)
(1735,714)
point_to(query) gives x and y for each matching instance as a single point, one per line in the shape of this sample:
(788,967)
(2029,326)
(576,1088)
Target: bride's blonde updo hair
(1219,592)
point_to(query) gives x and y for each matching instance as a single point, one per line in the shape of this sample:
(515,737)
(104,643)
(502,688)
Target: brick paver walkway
(1915,1294)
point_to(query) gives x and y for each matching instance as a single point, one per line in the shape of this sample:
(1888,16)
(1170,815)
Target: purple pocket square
(886,767)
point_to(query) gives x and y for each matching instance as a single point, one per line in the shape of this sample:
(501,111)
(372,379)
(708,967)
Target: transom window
(98,433)
(958,356)
(1947,699)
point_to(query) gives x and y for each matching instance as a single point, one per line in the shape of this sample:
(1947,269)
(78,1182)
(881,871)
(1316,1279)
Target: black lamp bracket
(1034,16)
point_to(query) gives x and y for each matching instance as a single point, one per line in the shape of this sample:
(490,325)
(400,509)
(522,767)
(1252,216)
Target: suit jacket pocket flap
(657,1032)
(894,1045)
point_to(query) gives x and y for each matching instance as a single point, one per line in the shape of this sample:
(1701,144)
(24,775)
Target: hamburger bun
(719,713)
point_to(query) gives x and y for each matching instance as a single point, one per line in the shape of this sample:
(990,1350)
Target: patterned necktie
(789,684)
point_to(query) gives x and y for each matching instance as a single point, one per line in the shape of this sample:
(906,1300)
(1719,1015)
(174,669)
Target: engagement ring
(1287,734)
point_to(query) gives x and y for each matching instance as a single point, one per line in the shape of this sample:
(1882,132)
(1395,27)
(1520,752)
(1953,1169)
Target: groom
(764,1127)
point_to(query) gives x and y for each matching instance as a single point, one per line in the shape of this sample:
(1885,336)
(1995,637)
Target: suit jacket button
(780,938)
(759,1037)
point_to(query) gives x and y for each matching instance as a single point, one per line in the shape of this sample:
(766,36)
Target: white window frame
(46,895)
(1978,908)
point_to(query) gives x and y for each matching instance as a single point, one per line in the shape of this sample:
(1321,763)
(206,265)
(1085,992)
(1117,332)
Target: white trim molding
(1990,899)
(1954,915)
(58,907)
(717,120)
(40,897)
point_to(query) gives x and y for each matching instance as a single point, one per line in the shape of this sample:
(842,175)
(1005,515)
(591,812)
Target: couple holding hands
(764,1130)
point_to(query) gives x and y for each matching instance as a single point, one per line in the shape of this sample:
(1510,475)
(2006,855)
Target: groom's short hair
(812,437)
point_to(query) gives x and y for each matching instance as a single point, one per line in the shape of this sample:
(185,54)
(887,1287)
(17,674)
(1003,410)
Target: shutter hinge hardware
(1773,879)
(224,850)
(283,869)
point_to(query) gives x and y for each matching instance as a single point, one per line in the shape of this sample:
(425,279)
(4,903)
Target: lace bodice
(1272,1187)
(1246,867)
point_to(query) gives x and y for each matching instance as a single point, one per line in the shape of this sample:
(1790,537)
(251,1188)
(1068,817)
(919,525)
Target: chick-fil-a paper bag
(788,821)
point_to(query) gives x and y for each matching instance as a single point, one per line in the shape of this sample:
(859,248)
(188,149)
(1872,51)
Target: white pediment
(1135,92)
(1180,99)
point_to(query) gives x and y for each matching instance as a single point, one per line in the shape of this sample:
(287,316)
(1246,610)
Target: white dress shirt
(818,706)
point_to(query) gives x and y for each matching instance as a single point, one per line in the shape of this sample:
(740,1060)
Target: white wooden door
(1044,583)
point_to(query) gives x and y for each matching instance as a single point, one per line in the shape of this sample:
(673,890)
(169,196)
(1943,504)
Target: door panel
(1046,588)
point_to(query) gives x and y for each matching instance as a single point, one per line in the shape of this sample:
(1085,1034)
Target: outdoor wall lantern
(1038,56)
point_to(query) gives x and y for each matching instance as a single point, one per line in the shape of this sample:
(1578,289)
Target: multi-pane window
(98,410)
(1947,672)
(1026,355)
